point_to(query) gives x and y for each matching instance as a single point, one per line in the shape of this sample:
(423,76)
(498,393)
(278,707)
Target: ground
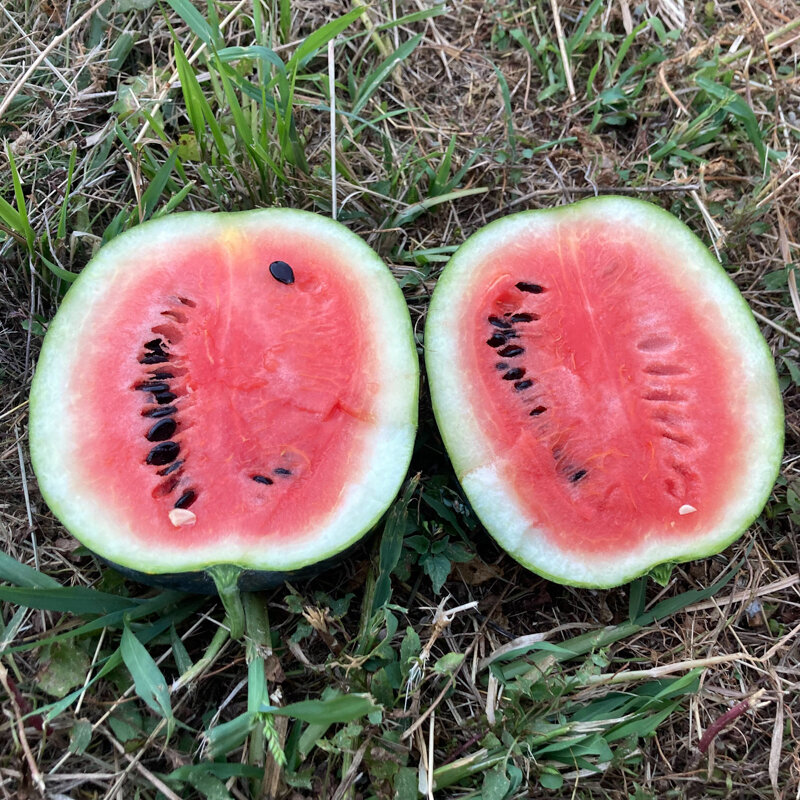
(448,117)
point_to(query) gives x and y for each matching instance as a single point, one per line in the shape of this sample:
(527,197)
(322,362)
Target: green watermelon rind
(57,358)
(459,432)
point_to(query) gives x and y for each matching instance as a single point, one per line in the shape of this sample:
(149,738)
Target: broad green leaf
(80,736)
(392,544)
(149,683)
(437,568)
(551,780)
(495,784)
(63,667)
(448,663)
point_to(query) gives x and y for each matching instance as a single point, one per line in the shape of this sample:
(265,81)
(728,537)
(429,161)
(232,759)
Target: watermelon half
(232,393)
(603,391)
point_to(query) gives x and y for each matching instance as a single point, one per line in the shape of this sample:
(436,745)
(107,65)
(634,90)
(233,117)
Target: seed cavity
(149,386)
(514,374)
(155,358)
(524,317)
(162,430)
(282,272)
(664,395)
(499,323)
(163,453)
(654,343)
(520,386)
(159,411)
(186,499)
(665,369)
(538,410)
(512,351)
(163,398)
(263,479)
(180,517)
(576,476)
(532,288)
(171,468)
(501,365)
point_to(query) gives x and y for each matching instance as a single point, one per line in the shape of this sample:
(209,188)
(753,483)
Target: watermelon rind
(52,432)
(474,462)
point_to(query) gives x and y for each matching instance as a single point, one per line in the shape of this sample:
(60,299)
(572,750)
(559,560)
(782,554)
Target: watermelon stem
(226,579)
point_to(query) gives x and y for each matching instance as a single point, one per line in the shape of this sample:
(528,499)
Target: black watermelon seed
(501,365)
(282,272)
(538,410)
(151,386)
(162,398)
(186,499)
(577,476)
(533,288)
(155,358)
(159,411)
(162,430)
(282,471)
(171,468)
(163,453)
(154,344)
(263,479)
(496,340)
(514,374)
(511,351)
(521,385)
(524,317)
(499,323)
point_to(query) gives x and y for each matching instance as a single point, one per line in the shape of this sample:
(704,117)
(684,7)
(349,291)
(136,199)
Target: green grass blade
(12,571)
(62,217)
(149,682)
(194,19)
(67,599)
(392,544)
(343,708)
(152,195)
(381,72)
(315,41)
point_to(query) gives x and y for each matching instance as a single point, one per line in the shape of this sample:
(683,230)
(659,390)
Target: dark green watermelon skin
(200,582)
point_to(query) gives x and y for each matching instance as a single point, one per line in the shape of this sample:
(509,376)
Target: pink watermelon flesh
(607,391)
(253,435)
(235,388)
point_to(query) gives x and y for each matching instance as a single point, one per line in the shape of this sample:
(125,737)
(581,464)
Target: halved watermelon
(603,391)
(226,389)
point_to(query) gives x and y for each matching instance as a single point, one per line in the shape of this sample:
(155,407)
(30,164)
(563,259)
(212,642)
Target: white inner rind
(480,469)
(55,434)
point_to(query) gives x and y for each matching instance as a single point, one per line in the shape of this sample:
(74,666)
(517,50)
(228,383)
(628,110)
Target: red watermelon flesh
(602,389)
(620,403)
(237,388)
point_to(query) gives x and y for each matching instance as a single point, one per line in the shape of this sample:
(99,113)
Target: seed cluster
(505,338)
(160,406)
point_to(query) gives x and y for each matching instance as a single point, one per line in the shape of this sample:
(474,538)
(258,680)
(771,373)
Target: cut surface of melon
(603,391)
(226,388)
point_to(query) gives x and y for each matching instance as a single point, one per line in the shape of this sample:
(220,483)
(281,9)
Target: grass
(431,662)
